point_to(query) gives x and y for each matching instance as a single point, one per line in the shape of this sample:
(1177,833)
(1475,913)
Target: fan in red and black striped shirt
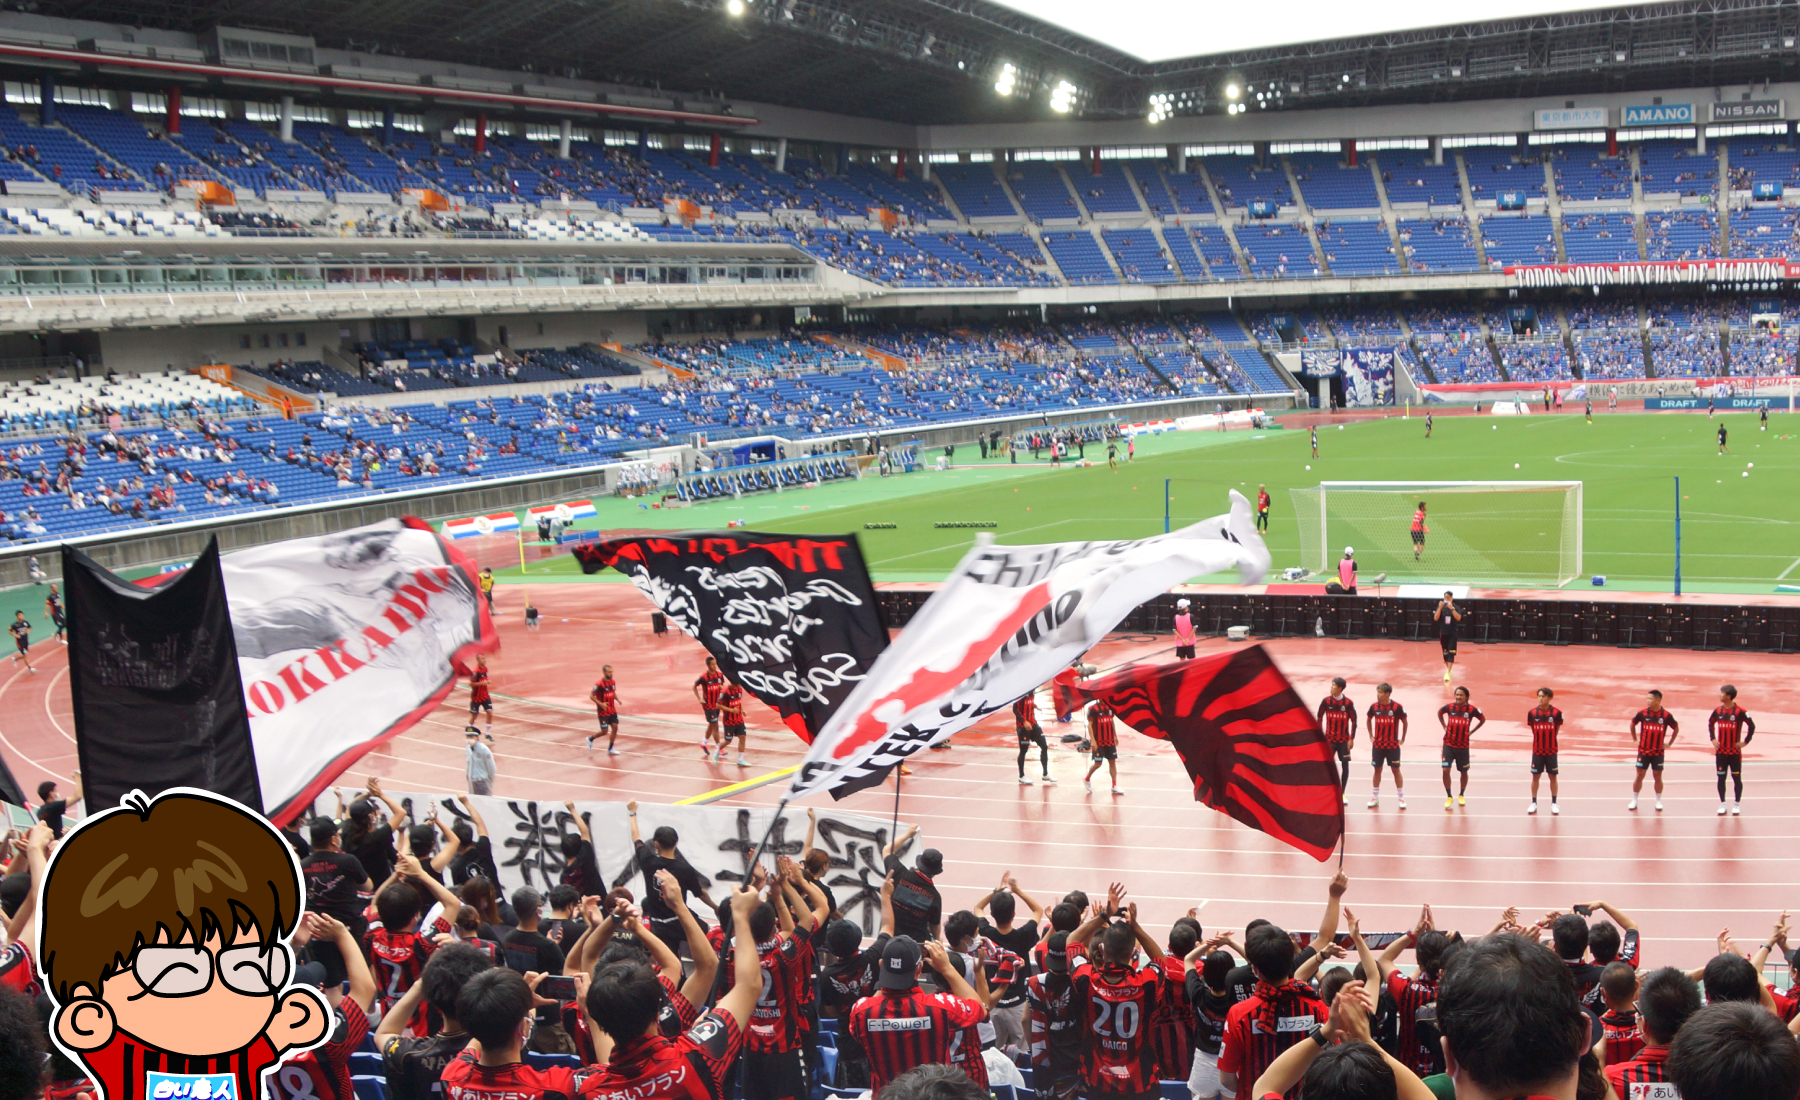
(1655,730)
(1411,994)
(1730,727)
(1545,722)
(1337,717)
(323,1073)
(1280,1013)
(1619,1023)
(1104,733)
(1118,1004)
(1459,719)
(1666,999)
(902,1026)
(1387,732)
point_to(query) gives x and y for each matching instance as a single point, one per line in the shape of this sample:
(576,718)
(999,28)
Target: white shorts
(1203,1082)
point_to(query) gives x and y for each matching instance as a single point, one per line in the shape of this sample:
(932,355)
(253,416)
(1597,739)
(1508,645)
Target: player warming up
(21,632)
(1655,730)
(1387,732)
(480,698)
(1315,440)
(1419,531)
(707,688)
(53,607)
(731,716)
(1025,724)
(1106,746)
(1427,425)
(606,708)
(1337,717)
(1721,435)
(1447,617)
(1262,508)
(1460,721)
(1545,722)
(1730,729)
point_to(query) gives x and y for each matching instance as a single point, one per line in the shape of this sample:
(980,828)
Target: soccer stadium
(840,549)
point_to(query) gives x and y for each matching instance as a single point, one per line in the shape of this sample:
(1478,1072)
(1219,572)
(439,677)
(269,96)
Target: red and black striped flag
(1252,748)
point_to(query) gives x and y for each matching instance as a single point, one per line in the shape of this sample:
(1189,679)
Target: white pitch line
(1789,569)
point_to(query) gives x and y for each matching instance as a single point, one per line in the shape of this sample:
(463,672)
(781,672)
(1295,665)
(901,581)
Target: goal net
(1491,532)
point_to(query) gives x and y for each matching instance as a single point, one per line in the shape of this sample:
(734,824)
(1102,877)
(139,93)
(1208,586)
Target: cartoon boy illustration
(162,924)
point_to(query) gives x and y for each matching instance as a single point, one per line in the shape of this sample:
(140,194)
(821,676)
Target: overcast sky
(1157,30)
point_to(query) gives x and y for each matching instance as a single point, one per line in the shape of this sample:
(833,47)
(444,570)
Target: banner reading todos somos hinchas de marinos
(1007,620)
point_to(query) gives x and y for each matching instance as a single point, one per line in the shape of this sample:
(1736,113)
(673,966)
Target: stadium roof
(936,61)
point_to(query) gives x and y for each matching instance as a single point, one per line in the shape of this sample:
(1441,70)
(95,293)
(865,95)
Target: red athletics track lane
(1683,873)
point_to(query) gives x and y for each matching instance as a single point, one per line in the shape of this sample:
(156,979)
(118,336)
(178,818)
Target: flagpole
(899,770)
(767,833)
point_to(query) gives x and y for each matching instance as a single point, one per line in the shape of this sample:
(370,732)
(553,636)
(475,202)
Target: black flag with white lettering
(793,618)
(153,676)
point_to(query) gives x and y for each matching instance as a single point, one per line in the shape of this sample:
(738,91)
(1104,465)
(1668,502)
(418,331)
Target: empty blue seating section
(1139,255)
(1493,169)
(1608,341)
(1357,247)
(1278,251)
(1535,361)
(1155,188)
(1763,231)
(1688,234)
(1762,160)
(1219,327)
(1041,190)
(1371,327)
(1188,190)
(1240,182)
(1438,244)
(1021,247)
(1079,256)
(1452,344)
(1518,239)
(1215,248)
(1008,258)
(228,157)
(975,190)
(1584,171)
(1684,340)
(1600,238)
(1187,257)
(1256,368)
(1410,177)
(125,140)
(305,168)
(1326,183)
(1674,168)
(1107,192)
(357,159)
(57,155)
(1188,372)
(909,195)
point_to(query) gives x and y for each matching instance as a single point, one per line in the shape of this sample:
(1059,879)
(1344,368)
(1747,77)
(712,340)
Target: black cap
(312,974)
(931,862)
(899,964)
(1056,952)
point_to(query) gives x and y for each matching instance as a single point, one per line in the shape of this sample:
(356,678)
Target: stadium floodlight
(734,7)
(1232,91)
(1160,107)
(1062,97)
(1008,78)
(1520,533)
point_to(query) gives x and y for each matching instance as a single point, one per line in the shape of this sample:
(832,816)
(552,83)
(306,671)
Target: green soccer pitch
(1739,534)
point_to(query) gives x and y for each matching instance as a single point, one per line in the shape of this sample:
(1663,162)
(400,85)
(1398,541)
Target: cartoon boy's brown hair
(179,866)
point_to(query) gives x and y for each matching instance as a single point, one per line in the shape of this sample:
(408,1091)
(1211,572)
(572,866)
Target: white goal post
(1495,532)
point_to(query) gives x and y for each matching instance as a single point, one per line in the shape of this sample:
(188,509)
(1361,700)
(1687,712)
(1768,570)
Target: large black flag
(153,674)
(793,618)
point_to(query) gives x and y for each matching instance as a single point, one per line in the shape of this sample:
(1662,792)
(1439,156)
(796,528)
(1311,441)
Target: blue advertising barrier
(1651,403)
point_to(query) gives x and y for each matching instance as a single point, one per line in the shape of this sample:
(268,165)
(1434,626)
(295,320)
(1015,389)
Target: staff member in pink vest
(1347,572)
(1184,632)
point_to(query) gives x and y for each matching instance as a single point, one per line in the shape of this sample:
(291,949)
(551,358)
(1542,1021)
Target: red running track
(1683,873)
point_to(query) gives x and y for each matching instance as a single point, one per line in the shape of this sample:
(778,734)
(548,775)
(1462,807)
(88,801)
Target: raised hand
(1339,883)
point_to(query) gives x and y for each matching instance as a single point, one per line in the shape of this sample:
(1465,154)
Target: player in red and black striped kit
(1545,722)
(708,686)
(606,708)
(1460,719)
(1655,730)
(1337,717)
(1730,729)
(1105,737)
(1118,1002)
(1025,724)
(480,697)
(1387,732)
(901,1026)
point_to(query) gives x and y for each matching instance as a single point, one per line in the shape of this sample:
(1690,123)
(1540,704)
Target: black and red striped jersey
(1457,718)
(1544,723)
(1025,712)
(465,1078)
(678,1013)
(323,1073)
(773,1027)
(1261,1026)
(1118,1007)
(606,696)
(1729,727)
(1106,735)
(901,1029)
(1337,717)
(1620,1033)
(711,685)
(1653,729)
(1410,995)
(478,686)
(18,970)
(1056,1037)
(692,1066)
(731,708)
(1384,724)
(1650,1067)
(1172,1033)
(400,958)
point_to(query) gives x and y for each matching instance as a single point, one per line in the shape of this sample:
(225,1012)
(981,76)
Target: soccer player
(1590,410)
(1106,746)
(1612,400)
(1315,440)
(21,632)
(1447,617)
(1545,721)
(707,688)
(1730,728)
(1117,999)
(1721,432)
(1387,732)
(53,607)
(1460,720)
(605,696)
(900,1025)
(1419,531)
(1762,416)
(1655,730)
(480,698)
(1428,425)
(731,713)
(1184,631)
(1337,717)
(1262,508)
(1025,724)
(1112,454)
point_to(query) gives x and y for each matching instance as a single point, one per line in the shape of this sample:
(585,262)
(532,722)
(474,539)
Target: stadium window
(1570,137)
(1134,152)
(244,342)
(203,108)
(299,339)
(1046,154)
(981,156)
(1220,150)
(281,339)
(264,341)
(1379,144)
(271,112)
(1735,129)
(1678,133)
(619,137)
(1281,147)
(1468,141)
(943,158)
(83,97)
(696,143)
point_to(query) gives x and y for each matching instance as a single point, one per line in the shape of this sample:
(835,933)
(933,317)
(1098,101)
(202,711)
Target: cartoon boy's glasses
(185,971)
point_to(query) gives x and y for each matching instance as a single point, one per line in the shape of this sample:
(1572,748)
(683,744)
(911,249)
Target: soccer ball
(1746,473)
(1515,465)
(1751,465)
(1309,467)
(1496,427)
(1340,427)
